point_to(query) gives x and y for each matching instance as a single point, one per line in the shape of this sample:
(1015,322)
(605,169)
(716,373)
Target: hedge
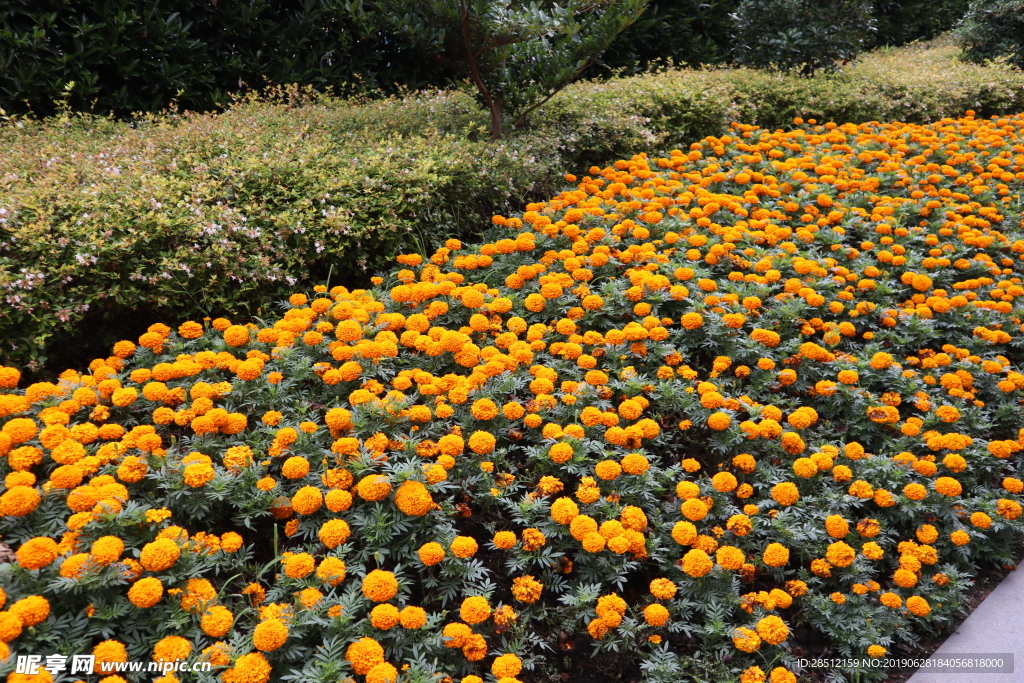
(106,227)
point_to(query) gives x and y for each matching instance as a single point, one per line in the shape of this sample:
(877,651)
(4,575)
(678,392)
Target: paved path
(995,626)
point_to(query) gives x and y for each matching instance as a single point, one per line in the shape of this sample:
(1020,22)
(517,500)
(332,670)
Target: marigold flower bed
(692,406)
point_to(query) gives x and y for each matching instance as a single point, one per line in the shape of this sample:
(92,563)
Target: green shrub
(516,57)
(692,32)
(106,228)
(994,29)
(801,35)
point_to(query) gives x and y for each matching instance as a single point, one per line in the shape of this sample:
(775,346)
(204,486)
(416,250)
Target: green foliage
(901,22)
(690,32)
(129,55)
(801,35)
(125,56)
(517,56)
(107,227)
(994,29)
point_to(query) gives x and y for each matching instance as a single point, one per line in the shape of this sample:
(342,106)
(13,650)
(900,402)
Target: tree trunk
(496,117)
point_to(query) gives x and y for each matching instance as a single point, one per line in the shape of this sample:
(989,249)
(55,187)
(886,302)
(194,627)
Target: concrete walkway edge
(996,626)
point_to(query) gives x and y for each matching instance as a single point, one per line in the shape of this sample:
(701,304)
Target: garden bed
(695,415)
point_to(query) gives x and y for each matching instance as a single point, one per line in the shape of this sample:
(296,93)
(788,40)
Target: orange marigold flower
(918,606)
(948,486)
(159,555)
(772,630)
(526,589)
(36,553)
(960,537)
(656,614)
(464,546)
(364,654)
(373,487)
(413,498)
(696,563)
(380,586)
(746,640)
(785,493)
(384,616)
(482,443)
(776,555)
(474,610)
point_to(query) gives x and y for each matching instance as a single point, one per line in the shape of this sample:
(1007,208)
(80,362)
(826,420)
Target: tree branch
(524,114)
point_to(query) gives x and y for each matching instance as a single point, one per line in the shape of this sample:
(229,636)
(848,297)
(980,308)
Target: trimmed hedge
(106,226)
